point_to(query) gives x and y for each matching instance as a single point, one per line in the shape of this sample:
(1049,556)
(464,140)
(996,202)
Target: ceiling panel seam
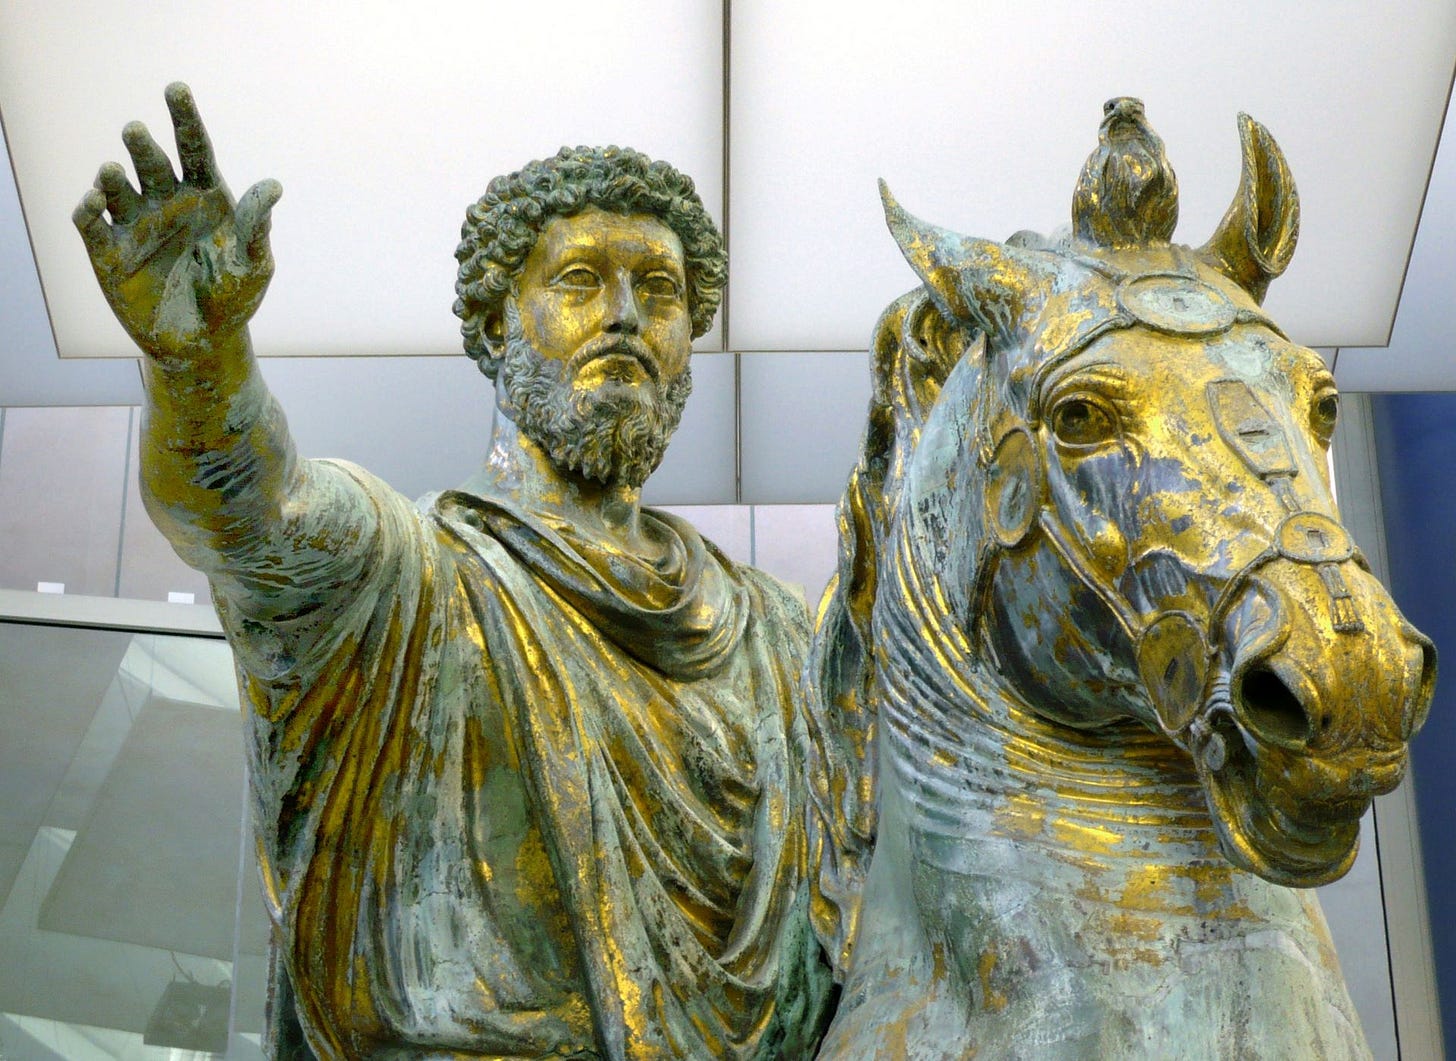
(723,312)
(1410,250)
(737,430)
(805,350)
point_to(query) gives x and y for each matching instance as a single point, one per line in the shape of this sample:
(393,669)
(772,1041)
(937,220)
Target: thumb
(253,217)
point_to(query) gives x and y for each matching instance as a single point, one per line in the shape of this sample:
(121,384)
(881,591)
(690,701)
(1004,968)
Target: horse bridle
(1175,651)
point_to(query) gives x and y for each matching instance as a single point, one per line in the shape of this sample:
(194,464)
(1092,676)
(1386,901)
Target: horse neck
(1034,883)
(994,794)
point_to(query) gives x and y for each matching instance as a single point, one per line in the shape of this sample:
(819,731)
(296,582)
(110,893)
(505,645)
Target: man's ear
(494,332)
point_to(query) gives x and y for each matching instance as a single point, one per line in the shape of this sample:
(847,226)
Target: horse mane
(913,351)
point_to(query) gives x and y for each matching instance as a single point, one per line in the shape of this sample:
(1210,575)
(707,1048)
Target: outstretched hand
(183,266)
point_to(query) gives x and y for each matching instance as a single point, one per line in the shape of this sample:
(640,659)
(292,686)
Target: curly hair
(503,225)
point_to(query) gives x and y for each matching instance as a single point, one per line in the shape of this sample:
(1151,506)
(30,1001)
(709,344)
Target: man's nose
(622,313)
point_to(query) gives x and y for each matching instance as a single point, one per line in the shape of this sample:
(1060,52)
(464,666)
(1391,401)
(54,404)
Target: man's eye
(660,285)
(579,276)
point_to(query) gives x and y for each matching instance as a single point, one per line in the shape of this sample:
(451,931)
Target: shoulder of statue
(777,602)
(473,521)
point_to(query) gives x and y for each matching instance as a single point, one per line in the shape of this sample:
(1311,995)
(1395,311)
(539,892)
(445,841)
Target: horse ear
(1256,238)
(974,282)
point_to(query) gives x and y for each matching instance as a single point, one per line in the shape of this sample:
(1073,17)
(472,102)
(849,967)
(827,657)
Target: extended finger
(122,201)
(93,227)
(153,167)
(253,217)
(194,147)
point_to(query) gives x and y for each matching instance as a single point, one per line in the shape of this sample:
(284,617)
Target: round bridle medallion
(1176,305)
(1310,538)
(1013,487)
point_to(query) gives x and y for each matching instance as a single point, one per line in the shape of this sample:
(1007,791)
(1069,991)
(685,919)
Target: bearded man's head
(612,433)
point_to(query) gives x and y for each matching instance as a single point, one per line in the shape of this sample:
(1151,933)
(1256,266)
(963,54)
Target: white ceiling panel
(1421,355)
(420,424)
(382,120)
(30,373)
(980,117)
(798,544)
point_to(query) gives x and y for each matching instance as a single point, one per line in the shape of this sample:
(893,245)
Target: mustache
(612,345)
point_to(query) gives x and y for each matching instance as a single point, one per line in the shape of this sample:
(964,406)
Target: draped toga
(518,793)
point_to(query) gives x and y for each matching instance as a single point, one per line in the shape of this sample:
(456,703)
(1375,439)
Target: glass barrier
(130,918)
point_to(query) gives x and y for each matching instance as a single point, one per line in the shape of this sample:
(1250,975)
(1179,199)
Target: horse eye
(1081,422)
(1324,414)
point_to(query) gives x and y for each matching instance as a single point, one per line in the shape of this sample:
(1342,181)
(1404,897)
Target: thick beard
(613,434)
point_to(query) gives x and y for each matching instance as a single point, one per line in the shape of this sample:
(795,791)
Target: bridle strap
(1183,710)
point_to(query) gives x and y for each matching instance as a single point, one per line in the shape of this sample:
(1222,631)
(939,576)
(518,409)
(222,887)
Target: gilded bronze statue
(1102,682)
(528,761)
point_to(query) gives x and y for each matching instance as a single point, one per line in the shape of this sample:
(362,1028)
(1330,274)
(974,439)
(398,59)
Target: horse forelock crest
(1045,297)
(1127,195)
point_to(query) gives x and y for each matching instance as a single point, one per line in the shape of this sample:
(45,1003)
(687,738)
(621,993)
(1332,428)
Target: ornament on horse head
(1041,302)
(1123,210)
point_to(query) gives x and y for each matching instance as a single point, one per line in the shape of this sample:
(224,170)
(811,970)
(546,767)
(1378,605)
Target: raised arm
(184,268)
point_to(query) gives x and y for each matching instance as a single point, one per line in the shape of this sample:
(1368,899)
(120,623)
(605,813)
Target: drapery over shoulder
(518,793)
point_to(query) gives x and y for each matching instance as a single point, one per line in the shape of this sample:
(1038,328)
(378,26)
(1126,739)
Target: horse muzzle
(1323,684)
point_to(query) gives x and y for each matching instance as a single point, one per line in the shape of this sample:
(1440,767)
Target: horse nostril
(1270,709)
(1419,703)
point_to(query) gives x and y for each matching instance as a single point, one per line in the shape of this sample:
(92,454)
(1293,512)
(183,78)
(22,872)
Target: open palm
(183,266)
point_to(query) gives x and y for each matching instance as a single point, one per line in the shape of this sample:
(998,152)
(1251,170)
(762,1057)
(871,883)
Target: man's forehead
(607,232)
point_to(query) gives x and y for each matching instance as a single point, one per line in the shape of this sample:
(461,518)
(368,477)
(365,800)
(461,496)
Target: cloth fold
(684,618)
(522,797)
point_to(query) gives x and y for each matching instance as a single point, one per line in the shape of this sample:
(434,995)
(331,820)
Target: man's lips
(614,347)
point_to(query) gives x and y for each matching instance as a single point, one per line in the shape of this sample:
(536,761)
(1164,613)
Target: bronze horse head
(1154,439)
(1093,586)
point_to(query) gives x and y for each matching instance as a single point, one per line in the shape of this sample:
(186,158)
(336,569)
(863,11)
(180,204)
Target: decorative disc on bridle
(1176,305)
(1013,488)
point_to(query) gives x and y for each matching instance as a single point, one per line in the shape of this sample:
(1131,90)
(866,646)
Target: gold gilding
(1121,674)
(528,763)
